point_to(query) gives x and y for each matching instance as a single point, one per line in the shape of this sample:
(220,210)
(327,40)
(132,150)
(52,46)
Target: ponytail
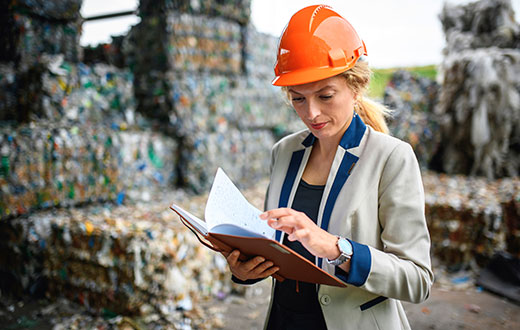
(372,113)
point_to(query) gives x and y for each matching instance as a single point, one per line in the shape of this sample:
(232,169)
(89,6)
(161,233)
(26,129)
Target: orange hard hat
(316,44)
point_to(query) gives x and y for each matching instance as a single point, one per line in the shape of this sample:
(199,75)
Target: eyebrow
(318,91)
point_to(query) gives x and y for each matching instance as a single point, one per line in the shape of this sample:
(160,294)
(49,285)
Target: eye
(326,97)
(297,99)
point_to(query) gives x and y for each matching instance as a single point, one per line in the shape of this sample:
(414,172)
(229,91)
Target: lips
(318,126)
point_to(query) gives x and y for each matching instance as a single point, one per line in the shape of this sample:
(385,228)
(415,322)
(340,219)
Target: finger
(285,229)
(232,258)
(285,221)
(263,267)
(252,263)
(298,235)
(270,271)
(276,213)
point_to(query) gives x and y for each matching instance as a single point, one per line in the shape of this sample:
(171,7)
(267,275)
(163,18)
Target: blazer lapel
(342,166)
(294,173)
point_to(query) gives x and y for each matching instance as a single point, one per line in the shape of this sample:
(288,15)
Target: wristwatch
(345,249)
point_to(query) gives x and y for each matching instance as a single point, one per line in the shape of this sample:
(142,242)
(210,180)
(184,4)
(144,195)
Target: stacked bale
(470,219)
(233,10)
(31,30)
(50,165)
(8,91)
(470,128)
(70,133)
(71,136)
(125,260)
(479,101)
(412,99)
(90,151)
(37,27)
(197,69)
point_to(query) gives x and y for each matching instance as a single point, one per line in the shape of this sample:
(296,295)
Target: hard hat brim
(304,76)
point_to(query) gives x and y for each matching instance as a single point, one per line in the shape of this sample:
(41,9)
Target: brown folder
(292,265)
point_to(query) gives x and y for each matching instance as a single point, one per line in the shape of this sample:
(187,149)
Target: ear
(357,96)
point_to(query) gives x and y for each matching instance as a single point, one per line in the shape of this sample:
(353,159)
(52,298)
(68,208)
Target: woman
(342,193)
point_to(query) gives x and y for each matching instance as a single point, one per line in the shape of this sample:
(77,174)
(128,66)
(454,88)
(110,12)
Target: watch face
(345,246)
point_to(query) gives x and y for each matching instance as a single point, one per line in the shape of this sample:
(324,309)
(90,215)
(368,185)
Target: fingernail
(261,259)
(263,215)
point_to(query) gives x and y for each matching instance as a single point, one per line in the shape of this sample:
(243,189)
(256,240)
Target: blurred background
(112,110)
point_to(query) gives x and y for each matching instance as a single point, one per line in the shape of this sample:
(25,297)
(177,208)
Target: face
(326,106)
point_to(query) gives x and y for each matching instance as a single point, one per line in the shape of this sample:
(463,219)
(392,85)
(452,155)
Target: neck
(327,146)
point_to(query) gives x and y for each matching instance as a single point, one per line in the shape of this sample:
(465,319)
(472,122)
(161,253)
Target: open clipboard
(292,265)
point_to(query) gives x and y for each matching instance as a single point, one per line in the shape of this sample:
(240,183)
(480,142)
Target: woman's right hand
(251,269)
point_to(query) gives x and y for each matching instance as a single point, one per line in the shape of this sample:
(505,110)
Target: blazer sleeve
(402,270)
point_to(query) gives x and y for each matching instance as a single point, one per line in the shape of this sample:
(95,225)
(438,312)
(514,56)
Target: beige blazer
(374,197)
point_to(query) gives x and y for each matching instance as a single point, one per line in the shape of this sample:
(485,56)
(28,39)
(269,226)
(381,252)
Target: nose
(312,110)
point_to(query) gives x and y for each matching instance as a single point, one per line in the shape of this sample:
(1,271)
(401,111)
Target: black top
(295,305)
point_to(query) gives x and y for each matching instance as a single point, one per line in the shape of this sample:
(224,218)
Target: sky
(397,33)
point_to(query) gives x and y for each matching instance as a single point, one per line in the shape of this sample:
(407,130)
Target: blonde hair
(372,113)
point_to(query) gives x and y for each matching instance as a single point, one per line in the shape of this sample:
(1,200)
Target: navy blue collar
(350,139)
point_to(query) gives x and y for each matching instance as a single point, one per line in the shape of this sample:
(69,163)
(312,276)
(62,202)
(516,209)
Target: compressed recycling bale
(479,101)
(244,155)
(64,10)
(479,111)
(147,163)
(117,258)
(259,53)
(467,219)
(480,24)
(237,10)
(8,34)
(45,166)
(65,92)
(199,43)
(104,95)
(412,100)
(33,27)
(184,42)
(37,37)
(203,103)
(511,210)
(8,89)
(48,165)
(258,104)
(145,46)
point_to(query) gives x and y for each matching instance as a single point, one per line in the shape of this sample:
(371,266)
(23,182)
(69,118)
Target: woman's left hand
(298,226)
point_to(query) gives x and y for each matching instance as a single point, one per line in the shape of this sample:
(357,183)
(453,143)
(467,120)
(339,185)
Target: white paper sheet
(227,205)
